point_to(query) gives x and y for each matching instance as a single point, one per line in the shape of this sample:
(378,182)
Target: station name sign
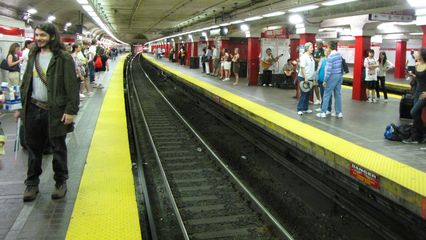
(276,33)
(390,17)
(326,35)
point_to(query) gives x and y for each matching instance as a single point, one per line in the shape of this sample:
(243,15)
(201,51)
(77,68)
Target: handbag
(4,65)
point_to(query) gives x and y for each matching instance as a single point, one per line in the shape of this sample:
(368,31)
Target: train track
(208,200)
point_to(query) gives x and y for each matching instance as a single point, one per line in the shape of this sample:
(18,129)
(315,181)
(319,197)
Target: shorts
(216,63)
(227,65)
(371,85)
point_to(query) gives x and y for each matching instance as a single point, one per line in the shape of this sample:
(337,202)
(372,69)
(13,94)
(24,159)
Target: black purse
(4,65)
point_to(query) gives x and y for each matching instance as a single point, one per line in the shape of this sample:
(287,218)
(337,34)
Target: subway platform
(353,145)
(100,202)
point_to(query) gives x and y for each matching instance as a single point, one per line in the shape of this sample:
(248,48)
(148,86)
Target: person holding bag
(11,64)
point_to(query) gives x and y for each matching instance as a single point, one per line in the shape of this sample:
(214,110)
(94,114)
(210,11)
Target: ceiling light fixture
(417,3)
(224,24)
(68,24)
(32,11)
(416,34)
(237,22)
(274,14)
(244,27)
(253,18)
(82,2)
(295,19)
(421,11)
(304,8)
(336,2)
(51,18)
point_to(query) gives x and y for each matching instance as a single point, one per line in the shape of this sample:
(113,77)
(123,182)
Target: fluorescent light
(204,34)
(237,22)
(244,27)
(87,8)
(92,14)
(82,2)
(32,11)
(51,18)
(274,14)
(417,3)
(295,19)
(224,24)
(300,25)
(253,18)
(68,24)
(416,34)
(304,8)
(421,11)
(336,2)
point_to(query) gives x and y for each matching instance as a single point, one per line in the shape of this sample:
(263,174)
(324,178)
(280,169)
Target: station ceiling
(141,20)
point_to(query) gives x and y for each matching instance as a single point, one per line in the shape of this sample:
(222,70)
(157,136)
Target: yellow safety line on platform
(391,95)
(105,207)
(389,168)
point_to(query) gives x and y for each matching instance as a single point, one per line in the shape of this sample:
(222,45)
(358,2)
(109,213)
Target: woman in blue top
(320,78)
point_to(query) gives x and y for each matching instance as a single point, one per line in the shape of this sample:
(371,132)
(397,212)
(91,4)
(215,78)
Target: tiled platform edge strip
(106,203)
(396,181)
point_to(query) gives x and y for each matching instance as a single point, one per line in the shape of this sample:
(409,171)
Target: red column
(177,52)
(253,60)
(362,43)
(401,51)
(225,44)
(294,55)
(424,36)
(189,54)
(307,37)
(195,47)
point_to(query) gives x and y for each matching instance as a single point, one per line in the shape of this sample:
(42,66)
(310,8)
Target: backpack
(345,67)
(395,133)
(98,63)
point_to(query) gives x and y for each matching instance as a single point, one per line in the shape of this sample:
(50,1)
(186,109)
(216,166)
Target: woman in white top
(371,66)
(306,74)
(411,63)
(384,66)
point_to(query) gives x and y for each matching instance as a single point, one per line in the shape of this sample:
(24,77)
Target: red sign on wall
(364,176)
(11,31)
(276,33)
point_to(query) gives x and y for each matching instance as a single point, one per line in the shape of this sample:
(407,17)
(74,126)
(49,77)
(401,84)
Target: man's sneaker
(30,193)
(270,85)
(300,113)
(374,100)
(410,140)
(60,191)
(308,111)
(321,115)
(333,114)
(369,100)
(386,100)
(100,86)
(327,112)
(340,115)
(318,110)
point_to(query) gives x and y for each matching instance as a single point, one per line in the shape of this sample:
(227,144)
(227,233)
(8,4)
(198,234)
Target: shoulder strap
(39,70)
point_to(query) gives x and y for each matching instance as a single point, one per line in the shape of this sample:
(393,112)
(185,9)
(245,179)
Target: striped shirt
(334,65)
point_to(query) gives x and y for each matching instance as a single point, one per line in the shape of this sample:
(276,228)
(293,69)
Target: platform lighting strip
(336,2)
(274,14)
(91,12)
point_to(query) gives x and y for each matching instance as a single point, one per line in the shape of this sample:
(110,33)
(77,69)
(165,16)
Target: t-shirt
(370,74)
(382,68)
(308,63)
(411,61)
(92,53)
(24,63)
(39,89)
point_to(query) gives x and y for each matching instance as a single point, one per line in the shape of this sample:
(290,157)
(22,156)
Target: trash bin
(194,62)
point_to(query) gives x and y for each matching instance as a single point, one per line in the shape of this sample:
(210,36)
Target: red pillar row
(253,60)
(307,37)
(401,51)
(424,36)
(362,43)
(188,53)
